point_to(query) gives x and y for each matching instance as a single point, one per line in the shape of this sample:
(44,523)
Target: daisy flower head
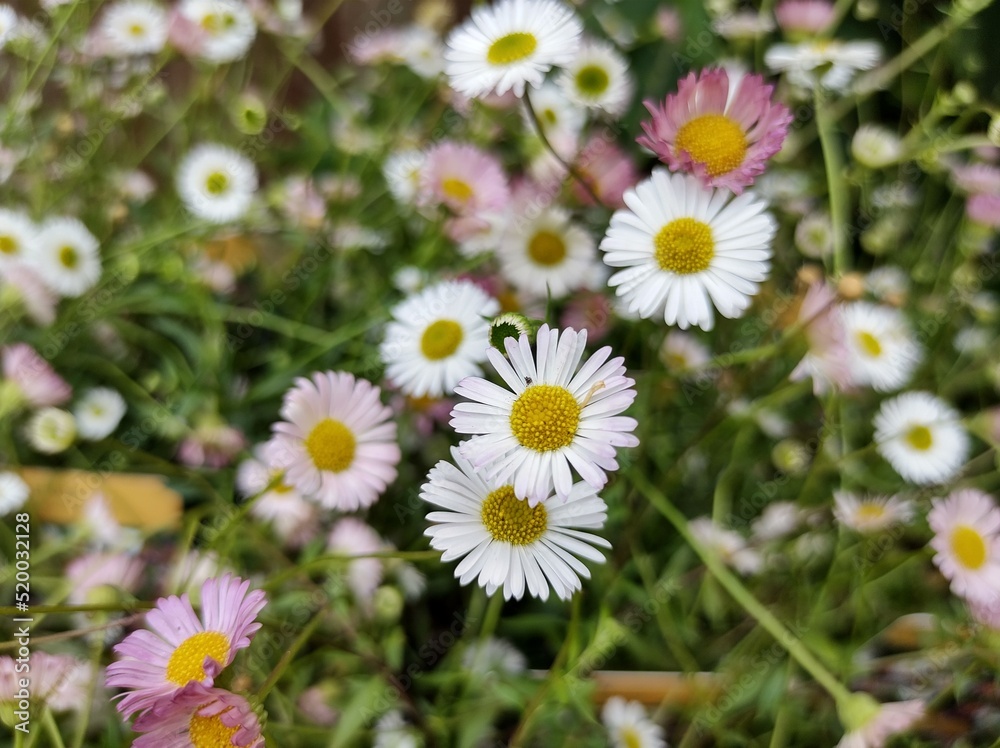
(966,542)
(561,121)
(292,516)
(199,716)
(180,647)
(556,415)
(685,249)
(14,492)
(50,430)
(728,545)
(92,575)
(133,27)
(629,727)
(824,63)
(510,45)
(437,337)
(216,183)
(881,349)
(352,537)
(35,380)
(493,657)
(922,437)
(98,413)
(548,254)
(870,514)
(598,77)
(721,131)
(336,443)
(682,352)
(217,30)
(17,231)
(804,17)
(402,170)
(8,24)
(871,724)
(67,256)
(504,541)
(876,146)
(464,178)
(823,328)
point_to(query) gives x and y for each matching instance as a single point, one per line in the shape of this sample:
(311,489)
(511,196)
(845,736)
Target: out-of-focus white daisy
(510,45)
(422,51)
(966,539)
(922,437)
(814,235)
(728,545)
(392,731)
(829,63)
(293,518)
(189,572)
(685,248)
(881,347)
(493,656)
(67,256)
(681,352)
(888,283)
(556,414)
(133,27)
(876,146)
(216,183)
(743,25)
(437,338)
(870,724)
(822,324)
(548,254)
(103,529)
(352,537)
(402,174)
(598,77)
(17,231)
(337,442)
(8,24)
(504,541)
(223,29)
(98,413)
(629,727)
(51,430)
(13,492)
(90,575)
(560,120)
(870,514)
(972,341)
(779,519)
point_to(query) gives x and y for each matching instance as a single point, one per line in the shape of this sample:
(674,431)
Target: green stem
(764,617)
(52,728)
(286,658)
(492,616)
(573,171)
(834,167)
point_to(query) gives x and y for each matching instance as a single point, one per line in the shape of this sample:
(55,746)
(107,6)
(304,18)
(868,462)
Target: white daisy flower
(870,514)
(814,235)
(598,77)
(402,172)
(561,121)
(422,51)
(778,520)
(226,27)
(510,45)
(337,442)
(888,283)
(98,413)
(216,183)
(51,430)
(629,727)
(871,725)
(555,415)
(876,146)
(8,24)
(922,437)
(966,539)
(14,492)
(728,545)
(681,352)
(392,731)
(493,656)
(438,337)
(881,349)
(67,256)
(548,254)
(293,518)
(686,248)
(16,233)
(506,542)
(829,63)
(134,27)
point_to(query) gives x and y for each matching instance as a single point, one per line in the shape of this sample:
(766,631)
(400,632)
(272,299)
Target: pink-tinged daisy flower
(62,682)
(212,444)
(984,210)
(590,311)
(822,324)
(180,647)
(556,414)
(336,443)
(352,537)
(92,576)
(986,614)
(200,717)
(722,132)
(966,539)
(976,179)
(870,514)
(34,379)
(23,282)
(607,169)
(870,724)
(804,17)
(922,437)
(464,178)
(293,517)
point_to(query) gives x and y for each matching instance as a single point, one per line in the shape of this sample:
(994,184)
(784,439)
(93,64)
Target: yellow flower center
(511,48)
(331,445)
(210,732)
(715,141)
(684,246)
(187,663)
(592,80)
(511,520)
(68,257)
(213,23)
(630,737)
(919,437)
(547,248)
(456,189)
(869,344)
(441,339)
(216,183)
(545,417)
(968,546)
(8,245)
(136,29)
(870,512)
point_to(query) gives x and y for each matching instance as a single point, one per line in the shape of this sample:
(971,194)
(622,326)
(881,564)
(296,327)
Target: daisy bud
(388,604)
(51,430)
(511,325)
(875,146)
(993,131)
(851,286)
(249,115)
(965,93)
(790,456)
